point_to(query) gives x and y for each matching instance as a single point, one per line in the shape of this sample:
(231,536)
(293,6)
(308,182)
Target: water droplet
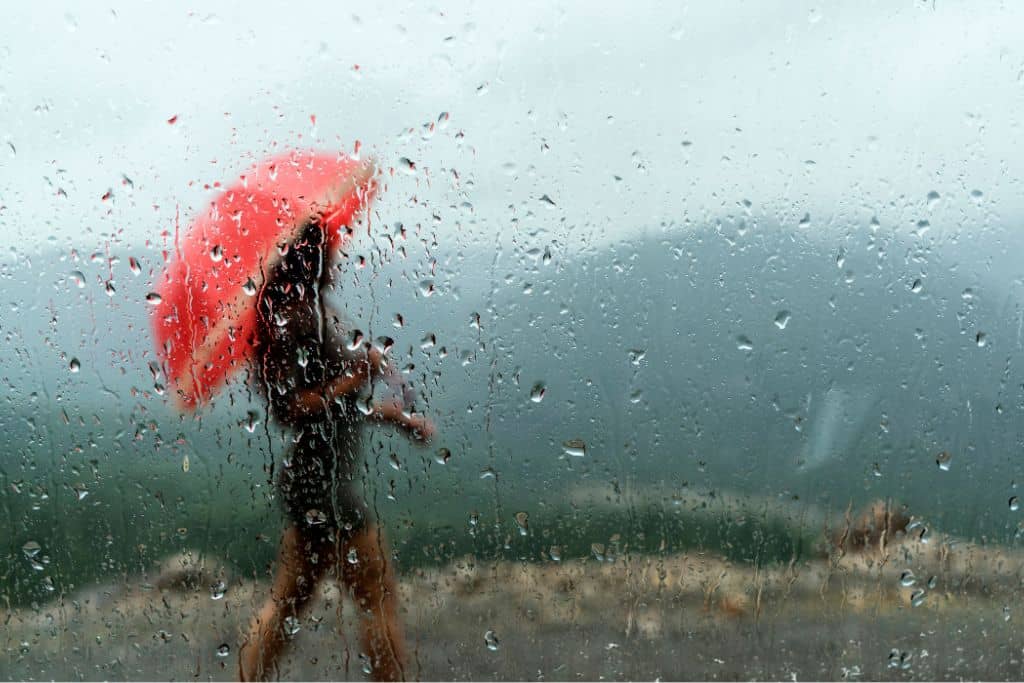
(907,578)
(577,448)
(252,418)
(109,288)
(223,650)
(537,393)
(74,365)
(944,460)
(78,278)
(782,319)
(315,517)
(597,550)
(133,264)
(1014,504)
(31,549)
(407,166)
(216,253)
(933,199)
(1006,613)
(80,491)
(491,640)
(249,287)
(917,286)
(218,589)
(917,597)
(352,557)
(555,553)
(442,456)
(153,299)
(399,321)
(291,626)
(184,464)
(981,339)
(523,522)
(355,341)
(636,356)
(744,343)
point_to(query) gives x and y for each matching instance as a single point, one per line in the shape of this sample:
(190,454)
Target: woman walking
(312,376)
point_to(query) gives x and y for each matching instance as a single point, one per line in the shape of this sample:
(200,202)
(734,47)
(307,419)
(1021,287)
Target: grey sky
(837,112)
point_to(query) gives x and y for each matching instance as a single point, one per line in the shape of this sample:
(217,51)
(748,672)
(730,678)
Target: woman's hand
(421,427)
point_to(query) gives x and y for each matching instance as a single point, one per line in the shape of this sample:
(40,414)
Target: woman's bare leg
(371,579)
(298,573)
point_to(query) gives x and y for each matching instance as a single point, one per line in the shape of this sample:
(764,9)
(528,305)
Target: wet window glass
(545,341)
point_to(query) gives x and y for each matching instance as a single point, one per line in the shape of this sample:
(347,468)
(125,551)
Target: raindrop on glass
(577,448)
(315,517)
(523,522)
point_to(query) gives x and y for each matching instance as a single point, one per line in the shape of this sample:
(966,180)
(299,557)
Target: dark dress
(301,345)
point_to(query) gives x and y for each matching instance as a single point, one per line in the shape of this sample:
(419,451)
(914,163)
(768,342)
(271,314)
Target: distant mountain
(742,356)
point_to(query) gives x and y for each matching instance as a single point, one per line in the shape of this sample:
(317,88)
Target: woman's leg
(371,580)
(301,565)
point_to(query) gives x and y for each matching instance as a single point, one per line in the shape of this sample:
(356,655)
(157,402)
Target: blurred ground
(678,617)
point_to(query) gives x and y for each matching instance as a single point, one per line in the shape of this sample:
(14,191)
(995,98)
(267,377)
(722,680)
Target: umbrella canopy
(205,318)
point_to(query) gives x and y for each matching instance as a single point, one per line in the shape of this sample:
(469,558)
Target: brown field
(676,617)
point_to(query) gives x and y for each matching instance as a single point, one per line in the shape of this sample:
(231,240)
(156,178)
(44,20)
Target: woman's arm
(306,402)
(419,427)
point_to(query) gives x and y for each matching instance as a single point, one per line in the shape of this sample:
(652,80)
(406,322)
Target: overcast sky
(799,108)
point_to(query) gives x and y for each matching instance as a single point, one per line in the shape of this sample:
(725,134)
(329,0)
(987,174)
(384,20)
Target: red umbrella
(205,320)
